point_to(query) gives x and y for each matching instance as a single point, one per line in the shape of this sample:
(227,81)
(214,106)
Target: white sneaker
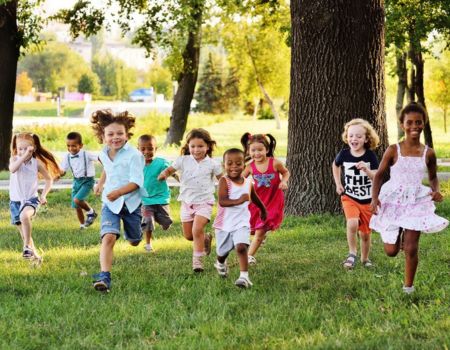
(408,290)
(251,260)
(222,269)
(82,227)
(148,248)
(243,282)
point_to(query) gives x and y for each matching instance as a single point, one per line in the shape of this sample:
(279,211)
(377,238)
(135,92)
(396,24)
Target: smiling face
(356,138)
(198,148)
(148,149)
(73,146)
(22,146)
(413,124)
(115,136)
(234,165)
(257,151)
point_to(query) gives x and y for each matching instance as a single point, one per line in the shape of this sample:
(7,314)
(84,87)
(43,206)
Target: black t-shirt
(356,183)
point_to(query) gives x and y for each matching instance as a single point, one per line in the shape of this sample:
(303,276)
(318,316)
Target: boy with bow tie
(81,164)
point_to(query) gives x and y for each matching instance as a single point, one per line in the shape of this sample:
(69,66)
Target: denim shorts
(15,207)
(110,223)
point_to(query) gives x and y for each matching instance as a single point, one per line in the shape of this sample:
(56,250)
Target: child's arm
(247,171)
(279,166)
(98,188)
(129,187)
(48,182)
(432,176)
(16,162)
(258,203)
(224,200)
(337,179)
(166,173)
(387,160)
(363,166)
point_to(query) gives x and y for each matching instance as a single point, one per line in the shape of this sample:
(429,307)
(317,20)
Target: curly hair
(102,118)
(373,140)
(413,107)
(267,140)
(199,133)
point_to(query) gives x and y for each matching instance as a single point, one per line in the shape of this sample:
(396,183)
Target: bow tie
(75,156)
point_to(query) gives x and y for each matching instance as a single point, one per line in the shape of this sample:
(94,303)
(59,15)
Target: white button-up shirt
(81,164)
(197,178)
(127,166)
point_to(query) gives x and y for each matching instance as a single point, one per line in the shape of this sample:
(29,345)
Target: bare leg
(256,242)
(352,230)
(80,215)
(187,230)
(241,250)
(82,204)
(148,236)
(107,251)
(393,249)
(411,248)
(222,259)
(25,219)
(365,246)
(198,232)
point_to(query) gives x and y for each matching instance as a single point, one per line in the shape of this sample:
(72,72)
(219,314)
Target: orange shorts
(355,210)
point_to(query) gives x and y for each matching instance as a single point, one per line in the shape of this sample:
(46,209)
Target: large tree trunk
(337,73)
(402,85)
(418,62)
(186,81)
(9,55)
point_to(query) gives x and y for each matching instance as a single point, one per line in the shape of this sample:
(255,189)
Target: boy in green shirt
(155,206)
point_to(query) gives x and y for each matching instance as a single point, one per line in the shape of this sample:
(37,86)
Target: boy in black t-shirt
(359,163)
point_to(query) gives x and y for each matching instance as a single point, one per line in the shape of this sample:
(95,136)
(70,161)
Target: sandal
(367,263)
(350,262)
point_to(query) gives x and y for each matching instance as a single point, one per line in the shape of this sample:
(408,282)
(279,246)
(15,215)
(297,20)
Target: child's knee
(166,227)
(391,250)
(135,243)
(77,201)
(241,248)
(365,237)
(109,239)
(352,224)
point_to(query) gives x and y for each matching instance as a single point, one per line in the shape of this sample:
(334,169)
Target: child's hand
(113,195)
(362,166)
(244,198)
(340,189)
(283,185)
(98,189)
(43,200)
(374,205)
(436,196)
(162,176)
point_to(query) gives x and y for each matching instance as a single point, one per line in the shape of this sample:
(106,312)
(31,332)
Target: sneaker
(27,253)
(208,240)
(251,260)
(243,282)
(197,263)
(222,269)
(90,219)
(408,290)
(102,281)
(367,263)
(82,227)
(148,248)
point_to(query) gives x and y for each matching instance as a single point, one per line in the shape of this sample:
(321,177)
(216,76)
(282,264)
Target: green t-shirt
(158,191)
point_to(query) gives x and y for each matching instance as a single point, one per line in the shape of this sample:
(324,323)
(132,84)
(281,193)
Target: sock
(90,211)
(199,254)
(220,264)
(244,274)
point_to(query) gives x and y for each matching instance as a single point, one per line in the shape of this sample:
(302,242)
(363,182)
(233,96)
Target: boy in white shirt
(81,164)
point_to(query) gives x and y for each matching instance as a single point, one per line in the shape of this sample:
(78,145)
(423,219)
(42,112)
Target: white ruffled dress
(405,202)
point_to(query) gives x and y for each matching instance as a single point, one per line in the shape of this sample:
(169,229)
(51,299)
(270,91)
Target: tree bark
(186,81)
(402,85)
(418,61)
(337,74)
(9,55)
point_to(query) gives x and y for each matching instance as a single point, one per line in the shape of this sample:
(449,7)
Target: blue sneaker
(102,281)
(90,219)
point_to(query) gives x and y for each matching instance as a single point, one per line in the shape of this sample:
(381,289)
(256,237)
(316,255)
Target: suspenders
(85,164)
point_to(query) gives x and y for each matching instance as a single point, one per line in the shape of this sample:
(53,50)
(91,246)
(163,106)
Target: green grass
(47,109)
(301,299)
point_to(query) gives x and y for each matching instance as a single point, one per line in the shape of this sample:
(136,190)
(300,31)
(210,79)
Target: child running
(81,164)
(271,178)
(156,202)
(404,208)
(359,163)
(198,171)
(232,223)
(28,160)
(120,184)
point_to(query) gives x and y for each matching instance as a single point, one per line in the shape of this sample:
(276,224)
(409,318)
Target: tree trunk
(9,49)
(402,74)
(337,73)
(418,62)
(255,111)
(445,120)
(186,81)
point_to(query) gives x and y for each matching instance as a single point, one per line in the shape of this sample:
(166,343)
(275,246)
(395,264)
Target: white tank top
(238,216)
(23,184)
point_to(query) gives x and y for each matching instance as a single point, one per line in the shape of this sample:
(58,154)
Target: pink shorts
(189,211)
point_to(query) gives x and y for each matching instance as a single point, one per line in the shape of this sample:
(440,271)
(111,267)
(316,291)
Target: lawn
(48,109)
(301,298)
